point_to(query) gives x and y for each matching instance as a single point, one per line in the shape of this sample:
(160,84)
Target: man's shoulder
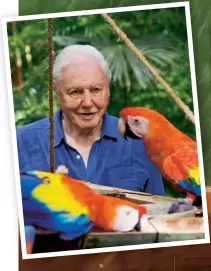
(34,127)
(112,118)
(32,143)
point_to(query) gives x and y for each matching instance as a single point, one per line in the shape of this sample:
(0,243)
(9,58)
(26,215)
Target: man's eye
(96,90)
(74,92)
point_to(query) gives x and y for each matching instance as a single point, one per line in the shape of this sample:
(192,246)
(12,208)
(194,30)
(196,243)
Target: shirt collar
(109,128)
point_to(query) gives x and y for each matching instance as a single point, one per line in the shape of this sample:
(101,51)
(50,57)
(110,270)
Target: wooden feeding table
(163,227)
(161,230)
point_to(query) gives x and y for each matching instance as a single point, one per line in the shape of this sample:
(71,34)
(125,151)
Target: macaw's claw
(177,206)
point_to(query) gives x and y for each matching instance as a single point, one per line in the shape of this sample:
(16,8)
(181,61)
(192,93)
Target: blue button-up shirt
(113,160)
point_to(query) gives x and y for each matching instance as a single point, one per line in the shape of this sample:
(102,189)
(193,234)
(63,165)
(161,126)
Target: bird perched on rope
(59,203)
(173,153)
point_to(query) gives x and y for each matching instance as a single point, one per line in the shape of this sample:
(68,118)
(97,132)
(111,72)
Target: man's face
(83,93)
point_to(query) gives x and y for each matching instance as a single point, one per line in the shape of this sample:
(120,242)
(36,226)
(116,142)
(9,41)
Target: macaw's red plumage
(173,153)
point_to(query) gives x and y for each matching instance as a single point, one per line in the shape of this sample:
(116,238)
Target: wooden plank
(158,230)
(124,261)
(167,229)
(184,263)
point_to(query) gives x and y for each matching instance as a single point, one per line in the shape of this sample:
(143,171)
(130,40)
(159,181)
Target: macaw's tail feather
(193,189)
(30,233)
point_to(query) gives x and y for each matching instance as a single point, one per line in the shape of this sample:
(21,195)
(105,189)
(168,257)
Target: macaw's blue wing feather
(82,225)
(69,227)
(28,183)
(35,212)
(38,214)
(193,189)
(30,233)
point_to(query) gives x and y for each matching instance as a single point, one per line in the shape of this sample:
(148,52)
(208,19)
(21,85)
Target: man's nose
(87,99)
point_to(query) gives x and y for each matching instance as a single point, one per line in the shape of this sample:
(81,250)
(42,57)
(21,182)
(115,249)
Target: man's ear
(109,92)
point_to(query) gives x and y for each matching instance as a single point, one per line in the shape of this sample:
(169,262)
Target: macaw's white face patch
(138,125)
(126,219)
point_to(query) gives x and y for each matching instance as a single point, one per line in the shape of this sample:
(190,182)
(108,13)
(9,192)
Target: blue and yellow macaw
(50,202)
(69,207)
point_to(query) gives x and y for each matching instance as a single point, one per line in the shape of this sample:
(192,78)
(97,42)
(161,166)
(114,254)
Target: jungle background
(160,34)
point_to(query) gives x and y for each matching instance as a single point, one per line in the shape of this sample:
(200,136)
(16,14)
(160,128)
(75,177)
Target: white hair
(75,53)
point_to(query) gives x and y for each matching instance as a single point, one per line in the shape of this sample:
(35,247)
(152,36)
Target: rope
(189,114)
(50,95)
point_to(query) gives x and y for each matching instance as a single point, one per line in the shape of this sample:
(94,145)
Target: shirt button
(78,156)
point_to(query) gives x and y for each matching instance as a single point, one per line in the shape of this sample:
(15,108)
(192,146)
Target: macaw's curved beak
(125,130)
(138,226)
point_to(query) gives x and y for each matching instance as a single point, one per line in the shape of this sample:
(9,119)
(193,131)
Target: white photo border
(197,123)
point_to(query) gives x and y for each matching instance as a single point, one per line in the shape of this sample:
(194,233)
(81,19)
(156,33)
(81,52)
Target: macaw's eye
(45,180)
(128,213)
(136,121)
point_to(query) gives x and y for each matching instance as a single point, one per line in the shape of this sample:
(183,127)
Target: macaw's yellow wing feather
(48,194)
(195,175)
(74,196)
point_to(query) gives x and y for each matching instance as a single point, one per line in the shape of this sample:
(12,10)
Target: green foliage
(40,7)
(201,21)
(172,193)
(162,42)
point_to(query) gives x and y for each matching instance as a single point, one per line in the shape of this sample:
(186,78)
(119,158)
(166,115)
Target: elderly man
(87,140)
